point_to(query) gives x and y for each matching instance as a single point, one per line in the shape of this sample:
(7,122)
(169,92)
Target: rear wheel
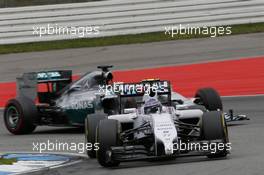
(107,136)
(214,129)
(20,115)
(209,98)
(91,123)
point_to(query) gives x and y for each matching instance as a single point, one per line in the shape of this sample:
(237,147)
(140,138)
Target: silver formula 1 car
(61,101)
(153,125)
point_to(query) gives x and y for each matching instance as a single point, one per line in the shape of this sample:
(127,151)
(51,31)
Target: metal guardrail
(119,17)
(21,3)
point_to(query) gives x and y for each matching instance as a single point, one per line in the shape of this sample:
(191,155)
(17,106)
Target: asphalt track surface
(247,156)
(247,139)
(134,56)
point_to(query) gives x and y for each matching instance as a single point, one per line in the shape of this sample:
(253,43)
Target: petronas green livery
(52,98)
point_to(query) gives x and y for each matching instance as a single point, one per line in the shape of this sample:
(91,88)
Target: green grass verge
(117,40)
(7,161)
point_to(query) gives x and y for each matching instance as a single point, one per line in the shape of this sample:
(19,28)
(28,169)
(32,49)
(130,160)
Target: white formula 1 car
(158,125)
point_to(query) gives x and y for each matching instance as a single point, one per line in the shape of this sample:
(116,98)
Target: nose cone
(165,131)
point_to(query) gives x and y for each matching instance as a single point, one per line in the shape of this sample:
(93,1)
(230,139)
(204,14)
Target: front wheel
(20,115)
(107,136)
(91,123)
(214,128)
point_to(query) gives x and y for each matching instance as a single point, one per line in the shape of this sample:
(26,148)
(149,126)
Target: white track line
(241,96)
(51,167)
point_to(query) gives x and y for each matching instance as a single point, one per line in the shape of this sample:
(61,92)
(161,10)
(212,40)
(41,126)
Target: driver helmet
(152,105)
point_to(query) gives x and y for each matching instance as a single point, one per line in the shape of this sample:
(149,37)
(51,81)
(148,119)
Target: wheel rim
(12,116)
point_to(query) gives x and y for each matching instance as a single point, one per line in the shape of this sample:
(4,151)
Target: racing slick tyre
(20,115)
(91,123)
(214,129)
(107,136)
(209,98)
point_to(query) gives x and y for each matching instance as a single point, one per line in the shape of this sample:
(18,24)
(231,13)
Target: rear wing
(27,84)
(52,76)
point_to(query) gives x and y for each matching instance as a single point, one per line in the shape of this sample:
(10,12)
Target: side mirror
(179,101)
